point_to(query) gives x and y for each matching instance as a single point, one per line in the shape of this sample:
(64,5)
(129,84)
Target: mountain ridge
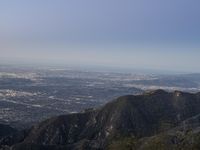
(137,116)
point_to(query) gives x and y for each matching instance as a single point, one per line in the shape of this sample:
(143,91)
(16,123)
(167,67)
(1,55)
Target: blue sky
(151,34)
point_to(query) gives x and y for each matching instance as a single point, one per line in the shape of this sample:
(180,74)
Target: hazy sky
(151,34)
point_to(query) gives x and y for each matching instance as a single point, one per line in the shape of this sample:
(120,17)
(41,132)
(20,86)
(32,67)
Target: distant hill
(155,120)
(6,130)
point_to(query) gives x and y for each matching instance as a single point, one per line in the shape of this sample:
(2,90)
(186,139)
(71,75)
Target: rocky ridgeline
(153,120)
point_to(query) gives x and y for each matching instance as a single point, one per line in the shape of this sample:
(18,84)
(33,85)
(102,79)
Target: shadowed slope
(128,116)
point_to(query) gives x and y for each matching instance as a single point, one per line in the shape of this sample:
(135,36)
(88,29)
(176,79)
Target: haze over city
(99,75)
(157,34)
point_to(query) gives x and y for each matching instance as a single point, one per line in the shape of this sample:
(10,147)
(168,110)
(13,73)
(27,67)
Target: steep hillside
(138,119)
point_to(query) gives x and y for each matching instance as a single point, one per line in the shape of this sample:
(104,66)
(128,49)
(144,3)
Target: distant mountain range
(155,120)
